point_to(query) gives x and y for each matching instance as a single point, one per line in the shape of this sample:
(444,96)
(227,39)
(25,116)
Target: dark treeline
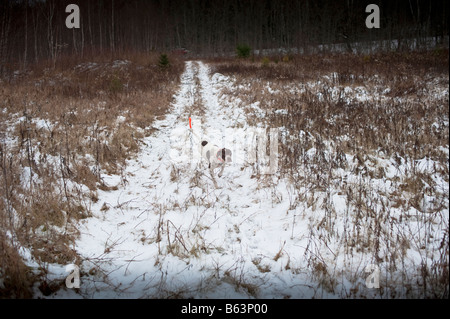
(31,30)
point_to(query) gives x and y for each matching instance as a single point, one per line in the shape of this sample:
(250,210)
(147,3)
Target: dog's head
(225,155)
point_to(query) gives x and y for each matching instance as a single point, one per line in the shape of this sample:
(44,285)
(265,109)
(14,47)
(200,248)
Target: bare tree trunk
(82,39)
(111,35)
(99,19)
(89,24)
(74,42)
(26,36)
(50,34)
(35,33)
(4,34)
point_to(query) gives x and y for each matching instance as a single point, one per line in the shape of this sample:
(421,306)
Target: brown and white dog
(215,156)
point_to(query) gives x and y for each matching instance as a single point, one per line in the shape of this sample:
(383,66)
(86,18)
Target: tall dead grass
(345,119)
(398,122)
(61,126)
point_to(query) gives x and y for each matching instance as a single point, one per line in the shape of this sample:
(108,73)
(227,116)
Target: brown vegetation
(359,126)
(60,128)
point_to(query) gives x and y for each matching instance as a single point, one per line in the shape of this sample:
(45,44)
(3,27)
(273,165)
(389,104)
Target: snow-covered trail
(114,240)
(166,231)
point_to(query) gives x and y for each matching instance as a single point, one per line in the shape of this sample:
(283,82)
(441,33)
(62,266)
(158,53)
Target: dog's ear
(226,155)
(222,154)
(204,143)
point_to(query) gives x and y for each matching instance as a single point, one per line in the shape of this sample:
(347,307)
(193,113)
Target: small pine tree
(243,51)
(163,61)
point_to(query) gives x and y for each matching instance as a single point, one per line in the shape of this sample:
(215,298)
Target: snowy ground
(167,231)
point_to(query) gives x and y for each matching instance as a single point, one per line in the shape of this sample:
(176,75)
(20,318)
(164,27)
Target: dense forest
(31,30)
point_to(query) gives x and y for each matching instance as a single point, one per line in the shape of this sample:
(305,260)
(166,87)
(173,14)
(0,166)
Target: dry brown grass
(400,118)
(400,123)
(14,273)
(392,65)
(60,127)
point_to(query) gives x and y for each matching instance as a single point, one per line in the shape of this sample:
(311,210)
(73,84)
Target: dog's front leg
(211,171)
(221,170)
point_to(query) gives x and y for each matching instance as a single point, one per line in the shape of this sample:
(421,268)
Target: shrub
(163,61)
(243,51)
